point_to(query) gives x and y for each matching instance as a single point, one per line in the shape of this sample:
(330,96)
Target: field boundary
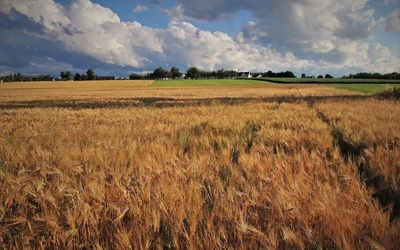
(161,102)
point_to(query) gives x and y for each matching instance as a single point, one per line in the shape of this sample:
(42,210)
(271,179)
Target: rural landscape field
(198,165)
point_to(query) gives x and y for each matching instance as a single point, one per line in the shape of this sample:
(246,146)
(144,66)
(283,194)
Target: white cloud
(98,32)
(48,13)
(286,35)
(304,26)
(92,30)
(362,56)
(175,14)
(320,31)
(215,50)
(140,8)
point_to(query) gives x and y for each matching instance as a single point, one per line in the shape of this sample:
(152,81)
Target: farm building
(245,75)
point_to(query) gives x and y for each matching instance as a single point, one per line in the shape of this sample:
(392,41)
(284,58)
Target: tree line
(195,73)
(67,75)
(191,73)
(64,75)
(366,75)
(21,78)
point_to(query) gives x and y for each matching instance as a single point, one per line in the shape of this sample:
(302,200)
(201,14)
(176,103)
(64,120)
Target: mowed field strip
(123,90)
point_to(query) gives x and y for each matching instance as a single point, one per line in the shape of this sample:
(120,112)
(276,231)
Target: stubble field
(207,167)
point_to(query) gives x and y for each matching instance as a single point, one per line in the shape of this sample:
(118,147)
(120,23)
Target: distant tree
(221,73)
(40,78)
(66,75)
(135,77)
(288,74)
(175,73)
(193,73)
(232,73)
(320,76)
(18,77)
(63,75)
(11,78)
(204,74)
(328,76)
(377,76)
(303,75)
(149,76)
(69,76)
(160,73)
(90,74)
(78,77)
(394,75)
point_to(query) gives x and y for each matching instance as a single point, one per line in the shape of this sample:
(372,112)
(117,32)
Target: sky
(120,37)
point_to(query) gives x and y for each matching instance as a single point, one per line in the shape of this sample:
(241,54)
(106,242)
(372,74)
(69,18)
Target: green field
(330,80)
(365,88)
(368,86)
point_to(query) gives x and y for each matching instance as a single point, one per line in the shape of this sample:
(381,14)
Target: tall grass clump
(254,175)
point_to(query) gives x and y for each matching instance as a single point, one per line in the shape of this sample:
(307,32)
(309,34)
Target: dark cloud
(18,21)
(18,48)
(24,50)
(393,22)
(353,27)
(212,10)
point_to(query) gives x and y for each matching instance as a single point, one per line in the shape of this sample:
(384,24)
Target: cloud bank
(306,35)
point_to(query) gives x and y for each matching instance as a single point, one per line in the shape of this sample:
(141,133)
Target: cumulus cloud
(140,8)
(95,31)
(90,29)
(293,23)
(319,31)
(215,50)
(175,14)
(284,35)
(393,22)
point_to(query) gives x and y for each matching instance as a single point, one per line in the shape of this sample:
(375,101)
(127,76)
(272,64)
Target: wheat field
(253,174)
(133,90)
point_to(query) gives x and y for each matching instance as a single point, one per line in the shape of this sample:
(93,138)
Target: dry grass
(219,176)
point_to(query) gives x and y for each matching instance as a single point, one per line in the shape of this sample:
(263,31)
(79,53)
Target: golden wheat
(254,175)
(373,126)
(129,91)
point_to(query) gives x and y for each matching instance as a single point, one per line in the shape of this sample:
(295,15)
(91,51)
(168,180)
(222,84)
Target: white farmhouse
(245,75)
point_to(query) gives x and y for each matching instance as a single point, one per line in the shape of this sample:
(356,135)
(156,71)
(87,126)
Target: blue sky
(121,37)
